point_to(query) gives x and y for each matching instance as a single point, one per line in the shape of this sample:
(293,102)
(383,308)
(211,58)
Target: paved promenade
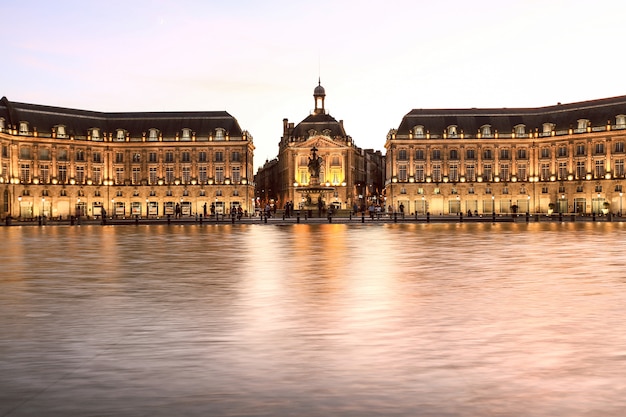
(279,218)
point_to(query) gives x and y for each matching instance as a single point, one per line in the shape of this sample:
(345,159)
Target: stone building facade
(567,158)
(354,174)
(60,162)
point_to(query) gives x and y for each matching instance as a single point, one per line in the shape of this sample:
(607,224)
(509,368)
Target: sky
(261,60)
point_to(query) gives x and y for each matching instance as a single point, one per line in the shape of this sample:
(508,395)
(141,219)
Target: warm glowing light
(479,179)
(462,179)
(35,180)
(428,179)
(496,179)
(608,176)
(552,178)
(445,179)
(72,181)
(295,184)
(570,177)
(588,176)
(513,178)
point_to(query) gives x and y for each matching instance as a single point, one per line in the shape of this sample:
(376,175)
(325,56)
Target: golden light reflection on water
(398,319)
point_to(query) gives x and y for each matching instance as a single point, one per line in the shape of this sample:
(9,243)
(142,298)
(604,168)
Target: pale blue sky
(260,60)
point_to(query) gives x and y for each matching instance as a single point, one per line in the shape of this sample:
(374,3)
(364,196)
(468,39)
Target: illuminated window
(61,131)
(581,169)
(419,172)
(599,168)
(402,175)
(96,175)
(520,130)
(121,135)
(119,175)
(62,173)
(562,170)
(186,134)
(95,135)
(136,175)
(202,174)
(152,172)
(23,128)
(582,125)
(618,167)
(153,135)
(236,174)
(470,172)
(80,174)
(25,173)
(485,131)
(452,131)
(169,175)
(186,175)
(620,121)
(418,131)
(545,172)
(219,174)
(521,172)
(219,134)
(44,174)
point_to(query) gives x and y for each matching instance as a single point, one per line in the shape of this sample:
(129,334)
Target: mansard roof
(78,122)
(319,122)
(564,116)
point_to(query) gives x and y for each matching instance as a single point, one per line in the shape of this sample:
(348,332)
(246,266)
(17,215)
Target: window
(119,175)
(521,154)
(562,151)
(236,174)
(44,154)
(202,156)
(169,175)
(470,154)
(152,157)
(580,189)
(402,176)
(618,167)
(136,157)
(470,172)
(25,152)
(453,172)
(119,157)
(436,155)
(186,134)
(23,128)
(96,175)
(437,172)
(520,130)
(505,190)
(581,170)
(470,190)
(545,152)
(580,149)
(452,131)
(80,155)
(599,149)
(504,172)
(219,134)
(544,190)
(505,154)
(62,155)
(80,175)
(418,131)
(61,131)
(521,172)
(419,172)
(402,156)
(44,174)
(169,157)
(62,173)
(136,175)
(186,175)
(562,170)
(95,135)
(186,156)
(547,128)
(545,172)
(619,147)
(202,176)
(485,131)
(219,174)
(153,135)
(120,136)
(419,154)
(598,188)
(582,125)
(219,156)
(620,121)
(487,172)
(25,173)
(454,154)
(487,154)
(152,175)
(97,157)
(235,156)
(599,168)
(5,151)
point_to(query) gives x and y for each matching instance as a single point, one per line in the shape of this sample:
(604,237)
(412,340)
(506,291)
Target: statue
(315,162)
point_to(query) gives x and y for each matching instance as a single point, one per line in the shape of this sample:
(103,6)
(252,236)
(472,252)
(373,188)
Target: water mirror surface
(313,320)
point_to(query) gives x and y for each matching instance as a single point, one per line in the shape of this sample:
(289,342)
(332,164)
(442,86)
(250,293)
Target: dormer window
(485,131)
(418,131)
(452,131)
(186,134)
(219,134)
(95,135)
(547,128)
(1,124)
(620,121)
(153,135)
(121,135)
(582,125)
(520,130)
(61,131)
(23,128)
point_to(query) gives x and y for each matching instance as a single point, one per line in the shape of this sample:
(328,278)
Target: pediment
(319,142)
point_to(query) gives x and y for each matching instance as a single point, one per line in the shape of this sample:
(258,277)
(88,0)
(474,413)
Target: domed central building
(347,174)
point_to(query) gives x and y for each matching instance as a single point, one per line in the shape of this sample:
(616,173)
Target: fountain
(314,193)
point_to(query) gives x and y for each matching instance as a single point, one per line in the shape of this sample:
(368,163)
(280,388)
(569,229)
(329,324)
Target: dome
(319,90)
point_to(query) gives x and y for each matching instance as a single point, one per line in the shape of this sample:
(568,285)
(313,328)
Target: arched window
(60,129)
(418,131)
(485,131)
(153,135)
(520,130)
(452,131)
(121,135)
(219,134)
(95,134)
(186,134)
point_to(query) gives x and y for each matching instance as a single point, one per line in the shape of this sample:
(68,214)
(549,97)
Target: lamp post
(19,206)
(493,207)
(620,203)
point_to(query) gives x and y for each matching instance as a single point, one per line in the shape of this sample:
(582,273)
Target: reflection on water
(313,320)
